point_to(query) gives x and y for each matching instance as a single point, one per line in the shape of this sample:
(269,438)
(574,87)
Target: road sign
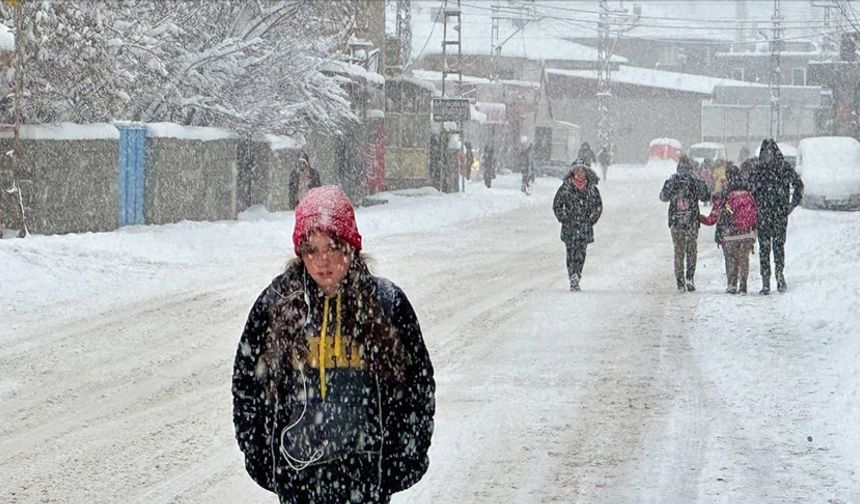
(451,109)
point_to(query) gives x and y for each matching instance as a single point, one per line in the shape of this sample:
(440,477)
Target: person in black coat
(488,166)
(333,389)
(585,154)
(577,206)
(683,190)
(778,190)
(303,178)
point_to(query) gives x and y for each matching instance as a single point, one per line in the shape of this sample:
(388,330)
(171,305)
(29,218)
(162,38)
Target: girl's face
(327,260)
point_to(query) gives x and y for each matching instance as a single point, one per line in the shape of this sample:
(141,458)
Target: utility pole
(452,17)
(604,86)
(775,80)
(404,31)
(609,35)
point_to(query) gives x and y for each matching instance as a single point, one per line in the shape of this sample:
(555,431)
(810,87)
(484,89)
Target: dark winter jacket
(777,189)
(488,165)
(683,191)
(578,210)
(293,187)
(359,429)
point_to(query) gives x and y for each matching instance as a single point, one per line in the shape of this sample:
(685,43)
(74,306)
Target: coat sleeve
(560,206)
(702,189)
(409,425)
(315,178)
(249,408)
(796,189)
(711,218)
(597,207)
(668,189)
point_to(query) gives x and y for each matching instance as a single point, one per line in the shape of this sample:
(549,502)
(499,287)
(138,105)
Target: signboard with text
(451,109)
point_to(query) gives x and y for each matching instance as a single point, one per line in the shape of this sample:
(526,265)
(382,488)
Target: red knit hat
(326,209)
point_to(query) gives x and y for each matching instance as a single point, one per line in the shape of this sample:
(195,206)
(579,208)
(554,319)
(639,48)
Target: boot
(742,288)
(691,287)
(731,289)
(780,282)
(574,283)
(681,286)
(765,287)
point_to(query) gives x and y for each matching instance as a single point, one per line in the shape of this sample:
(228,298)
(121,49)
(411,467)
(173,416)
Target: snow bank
(7,39)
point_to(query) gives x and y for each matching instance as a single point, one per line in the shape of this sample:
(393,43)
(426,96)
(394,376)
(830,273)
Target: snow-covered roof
(354,71)
(375,114)
(662,79)
(541,39)
(66,131)
(433,76)
(673,142)
(279,142)
(417,81)
(173,130)
(7,39)
(702,20)
(707,145)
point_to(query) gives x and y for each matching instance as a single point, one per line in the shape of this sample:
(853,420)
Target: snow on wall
(172,130)
(280,142)
(66,131)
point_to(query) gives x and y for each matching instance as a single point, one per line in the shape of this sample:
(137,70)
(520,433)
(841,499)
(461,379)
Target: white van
(707,150)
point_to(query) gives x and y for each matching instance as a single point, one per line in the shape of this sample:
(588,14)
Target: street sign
(451,109)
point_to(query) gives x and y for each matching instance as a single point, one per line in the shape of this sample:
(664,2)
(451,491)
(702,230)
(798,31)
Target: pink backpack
(744,213)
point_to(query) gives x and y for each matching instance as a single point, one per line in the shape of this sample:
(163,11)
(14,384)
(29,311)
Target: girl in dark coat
(333,390)
(577,207)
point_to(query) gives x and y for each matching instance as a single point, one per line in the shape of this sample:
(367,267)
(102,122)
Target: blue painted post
(131,173)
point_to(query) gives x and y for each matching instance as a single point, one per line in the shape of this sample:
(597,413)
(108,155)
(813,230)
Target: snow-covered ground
(116,352)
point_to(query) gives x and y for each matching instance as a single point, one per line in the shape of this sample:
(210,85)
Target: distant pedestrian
(585,154)
(303,178)
(604,158)
(526,164)
(778,190)
(577,206)
(743,154)
(733,210)
(683,190)
(470,160)
(488,166)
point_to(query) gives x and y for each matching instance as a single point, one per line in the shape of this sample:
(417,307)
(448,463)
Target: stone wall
(68,186)
(189,179)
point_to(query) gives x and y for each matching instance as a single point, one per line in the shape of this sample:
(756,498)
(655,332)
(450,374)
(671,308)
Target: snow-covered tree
(246,65)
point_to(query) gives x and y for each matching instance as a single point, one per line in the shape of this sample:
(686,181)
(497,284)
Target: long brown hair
(367,322)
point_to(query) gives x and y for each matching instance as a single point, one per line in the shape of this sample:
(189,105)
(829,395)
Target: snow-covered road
(116,353)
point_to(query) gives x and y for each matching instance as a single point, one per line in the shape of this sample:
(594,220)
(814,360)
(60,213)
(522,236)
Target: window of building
(737,73)
(798,76)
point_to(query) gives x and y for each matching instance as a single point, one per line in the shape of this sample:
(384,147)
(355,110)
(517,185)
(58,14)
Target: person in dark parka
(778,190)
(333,389)
(488,166)
(683,190)
(303,178)
(577,206)
(586,155)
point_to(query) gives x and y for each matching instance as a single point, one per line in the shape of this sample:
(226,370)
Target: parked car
(830,168)
(789,153)
(555,147)
(666,149)
(707,150)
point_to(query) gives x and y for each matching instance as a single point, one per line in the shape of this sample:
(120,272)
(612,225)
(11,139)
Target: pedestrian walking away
(577,206)
(778,190)
(733,210)
(488,166)
(585,154)
(303,178)
(683,190)
(333,389)
(526,164)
